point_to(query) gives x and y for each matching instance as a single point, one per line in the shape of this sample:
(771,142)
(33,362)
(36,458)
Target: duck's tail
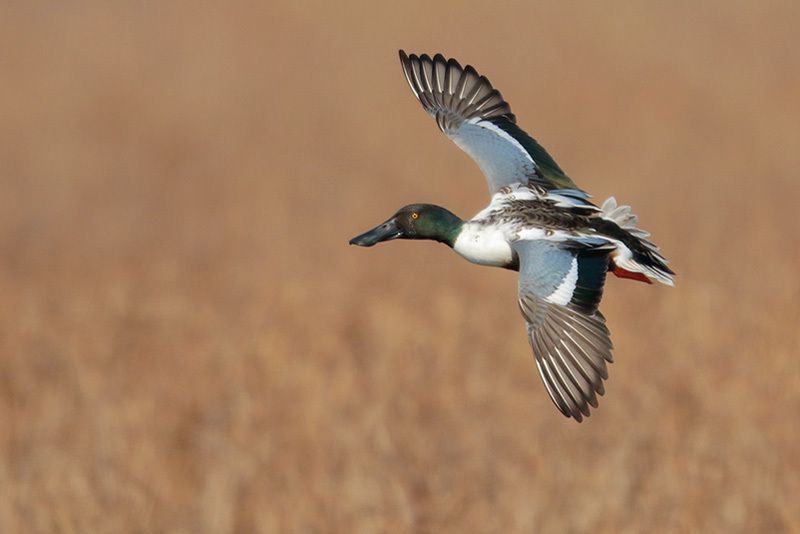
(635,257)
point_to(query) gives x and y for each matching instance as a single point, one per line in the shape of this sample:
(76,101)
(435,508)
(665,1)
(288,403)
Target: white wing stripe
(563,293)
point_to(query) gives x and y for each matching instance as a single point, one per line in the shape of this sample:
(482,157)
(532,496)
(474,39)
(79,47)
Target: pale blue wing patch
(547,270)
(500,157)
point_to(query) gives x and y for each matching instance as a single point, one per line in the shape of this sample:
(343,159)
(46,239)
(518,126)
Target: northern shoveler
(538,222)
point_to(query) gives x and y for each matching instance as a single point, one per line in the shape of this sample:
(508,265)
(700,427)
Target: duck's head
(415,221)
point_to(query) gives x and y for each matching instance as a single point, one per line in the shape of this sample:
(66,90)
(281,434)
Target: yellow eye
(415,215)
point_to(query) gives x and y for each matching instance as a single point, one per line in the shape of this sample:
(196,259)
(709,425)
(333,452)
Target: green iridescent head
(415,221)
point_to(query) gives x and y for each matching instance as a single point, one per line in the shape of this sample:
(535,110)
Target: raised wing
(560,286)
(475,117)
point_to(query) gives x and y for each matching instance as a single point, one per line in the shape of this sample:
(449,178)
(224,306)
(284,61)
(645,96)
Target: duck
(538,223)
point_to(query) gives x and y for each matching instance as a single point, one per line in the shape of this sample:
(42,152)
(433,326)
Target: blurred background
(187,343)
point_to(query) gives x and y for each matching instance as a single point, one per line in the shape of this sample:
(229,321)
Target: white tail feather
(622,216)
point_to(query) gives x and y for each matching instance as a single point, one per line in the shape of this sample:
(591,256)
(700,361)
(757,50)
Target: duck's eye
(415,215)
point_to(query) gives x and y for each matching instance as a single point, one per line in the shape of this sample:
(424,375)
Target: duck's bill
(384,232)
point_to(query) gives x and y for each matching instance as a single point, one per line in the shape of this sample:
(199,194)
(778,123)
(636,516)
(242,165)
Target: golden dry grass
(188,344)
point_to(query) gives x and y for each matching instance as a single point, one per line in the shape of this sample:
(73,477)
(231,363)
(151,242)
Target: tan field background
(187,343)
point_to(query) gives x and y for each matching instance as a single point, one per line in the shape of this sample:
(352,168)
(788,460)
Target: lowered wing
(560,286)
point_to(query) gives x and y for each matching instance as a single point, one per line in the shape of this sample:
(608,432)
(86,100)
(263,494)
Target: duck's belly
(484,246)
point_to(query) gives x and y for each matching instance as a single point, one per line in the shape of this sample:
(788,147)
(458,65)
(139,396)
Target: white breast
(484,245)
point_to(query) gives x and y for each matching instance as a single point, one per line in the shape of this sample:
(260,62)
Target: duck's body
(538,222)
(518,213)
